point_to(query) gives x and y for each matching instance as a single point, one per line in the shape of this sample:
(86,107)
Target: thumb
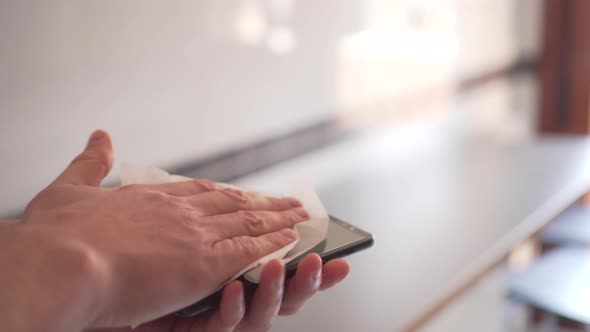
(92,165)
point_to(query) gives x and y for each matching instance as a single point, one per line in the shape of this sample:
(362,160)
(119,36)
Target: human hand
(149,250)
(267,302)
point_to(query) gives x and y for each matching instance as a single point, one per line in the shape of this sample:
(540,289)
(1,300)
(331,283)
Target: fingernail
(95,138)
(294,202)
(316,279)
(279,283)
(279,288)
(240,304)
(302,213)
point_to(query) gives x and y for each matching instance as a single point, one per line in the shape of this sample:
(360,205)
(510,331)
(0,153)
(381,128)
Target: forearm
(44,286)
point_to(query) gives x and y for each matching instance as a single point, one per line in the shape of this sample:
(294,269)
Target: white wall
(168,79)
(177,80)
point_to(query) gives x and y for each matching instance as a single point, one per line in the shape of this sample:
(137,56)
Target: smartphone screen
(342,240)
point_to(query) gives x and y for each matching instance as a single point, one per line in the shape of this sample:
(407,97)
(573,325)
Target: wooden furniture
(565,68)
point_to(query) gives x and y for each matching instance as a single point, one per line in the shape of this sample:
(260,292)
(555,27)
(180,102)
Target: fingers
(253,223)
(184,188)
(266,302)
(231,200)
(92,165)
(243,250)
(303,285)
(334,272)
(224,319)
(230,312)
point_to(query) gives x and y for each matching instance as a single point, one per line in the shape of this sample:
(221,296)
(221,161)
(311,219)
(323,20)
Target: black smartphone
(342,240)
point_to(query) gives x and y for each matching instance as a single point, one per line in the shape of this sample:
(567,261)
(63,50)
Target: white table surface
(442,206)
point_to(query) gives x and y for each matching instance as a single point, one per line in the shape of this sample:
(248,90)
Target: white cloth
(309,233)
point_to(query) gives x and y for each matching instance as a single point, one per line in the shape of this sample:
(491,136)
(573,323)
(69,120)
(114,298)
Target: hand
(232,316)
(142,251)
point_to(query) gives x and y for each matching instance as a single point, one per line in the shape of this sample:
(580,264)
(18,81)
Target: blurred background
(453,130)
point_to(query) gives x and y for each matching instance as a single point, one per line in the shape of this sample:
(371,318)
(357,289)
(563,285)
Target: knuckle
(90,157)
(244,215)
(237,195)
(274,203)
(204,184)
(85,156)
(252,221)
(292,216)
(247,245)
(282,238)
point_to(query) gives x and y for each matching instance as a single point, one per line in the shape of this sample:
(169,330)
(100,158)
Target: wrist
(52,284)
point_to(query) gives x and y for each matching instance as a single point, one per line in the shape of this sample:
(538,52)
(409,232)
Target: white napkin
(309,233)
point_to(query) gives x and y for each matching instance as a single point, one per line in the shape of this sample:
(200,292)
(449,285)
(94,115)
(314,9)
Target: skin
(86,258)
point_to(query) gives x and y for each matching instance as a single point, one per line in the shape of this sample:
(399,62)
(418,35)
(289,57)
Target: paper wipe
(309,233)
